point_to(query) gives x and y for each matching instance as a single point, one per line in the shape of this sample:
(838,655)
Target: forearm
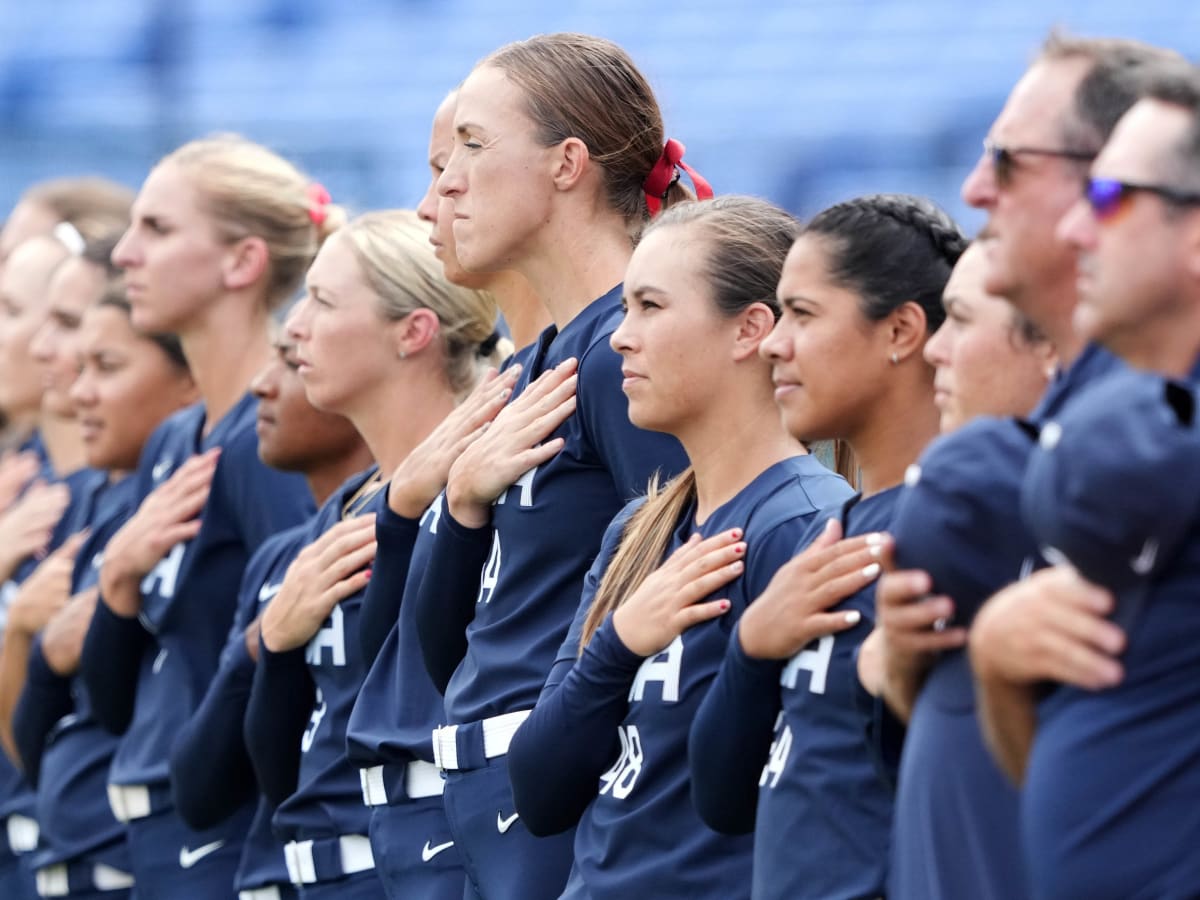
(44,701)
(903,678)
(731,738)
(14,661)
(280,704)
(445,601)
(211,774)
(62,647)
(110,666)
(395,537)
(1008,718)
(570,739)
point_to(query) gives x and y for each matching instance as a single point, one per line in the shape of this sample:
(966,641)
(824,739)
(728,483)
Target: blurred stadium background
(801,101)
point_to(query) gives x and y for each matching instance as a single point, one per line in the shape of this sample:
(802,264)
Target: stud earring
(403,355)
(895,359)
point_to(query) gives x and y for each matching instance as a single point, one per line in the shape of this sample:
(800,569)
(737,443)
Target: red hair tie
(666,172)
(318,202)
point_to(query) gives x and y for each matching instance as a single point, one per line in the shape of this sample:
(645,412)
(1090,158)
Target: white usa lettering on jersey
(815,661)
(331,637)
(525,483)
(491,572)
(320,707)
(777,758)
(162,578)
(663,671)
(433,514)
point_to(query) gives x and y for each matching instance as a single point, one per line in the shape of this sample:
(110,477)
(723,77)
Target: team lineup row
(392,599)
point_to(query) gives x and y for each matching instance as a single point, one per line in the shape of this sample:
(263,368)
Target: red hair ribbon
(318,202)
(666,172)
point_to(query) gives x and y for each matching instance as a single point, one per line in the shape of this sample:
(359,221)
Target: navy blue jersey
(398,706)
(72,759)
(327,801)
(956,815)
(825,801)
(1109,807)
(210,767)
(640,834)
(189,598)
(547,526)
(958,519)
(86,487)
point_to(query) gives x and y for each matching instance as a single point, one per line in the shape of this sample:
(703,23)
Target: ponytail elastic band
(318,202)
(666,172)
(488,345)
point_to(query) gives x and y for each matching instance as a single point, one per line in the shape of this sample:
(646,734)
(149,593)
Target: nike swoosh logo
(428,853)
(188,858)
(503,824)
(267,591)
(1143,563)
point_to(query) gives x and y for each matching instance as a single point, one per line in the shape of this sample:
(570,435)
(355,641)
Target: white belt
(270,892)
(354,850)
(129,801)
(22,833)
(498,732)
(55,881)
(421,779)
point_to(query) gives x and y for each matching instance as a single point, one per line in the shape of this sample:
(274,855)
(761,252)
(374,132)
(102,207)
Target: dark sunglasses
(1105,195)
(1004,159)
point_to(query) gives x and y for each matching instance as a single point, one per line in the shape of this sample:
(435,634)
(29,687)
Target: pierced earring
(403,355)
(895,359)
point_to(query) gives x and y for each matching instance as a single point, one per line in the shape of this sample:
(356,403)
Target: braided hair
(891,249)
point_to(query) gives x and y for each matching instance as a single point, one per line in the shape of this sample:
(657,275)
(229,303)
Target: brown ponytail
(645,539)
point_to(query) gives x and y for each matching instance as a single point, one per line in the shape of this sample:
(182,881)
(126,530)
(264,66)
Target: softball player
(533,518)
(127,384)
(195,267)
(210,768)
(988,363)
(861,290)
(376,296)
(1025,198)
(617,715)
(48,511)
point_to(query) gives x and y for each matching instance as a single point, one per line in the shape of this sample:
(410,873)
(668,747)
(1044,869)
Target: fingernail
(735,533)
(740,548)
(828,525)
(724,604)
(876,550)
(367,573)
(875,540)
(871,571)
(504,394)
(853,616)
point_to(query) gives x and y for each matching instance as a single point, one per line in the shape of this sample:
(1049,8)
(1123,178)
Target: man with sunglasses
(1111,780)
(956,827)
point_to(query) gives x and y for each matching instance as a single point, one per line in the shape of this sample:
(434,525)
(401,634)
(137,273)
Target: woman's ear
(907,330)
(246,262)
(570,163)
(755,322)
(415,332)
